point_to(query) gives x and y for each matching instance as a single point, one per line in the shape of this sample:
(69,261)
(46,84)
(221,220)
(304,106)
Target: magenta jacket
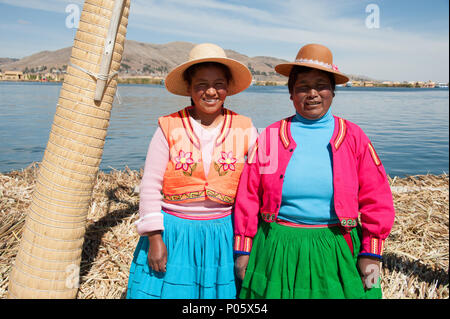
(359,179)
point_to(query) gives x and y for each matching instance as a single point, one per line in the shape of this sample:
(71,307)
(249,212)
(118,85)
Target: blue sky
(411,42)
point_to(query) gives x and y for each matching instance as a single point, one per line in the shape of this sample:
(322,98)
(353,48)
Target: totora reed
(415,259)
(47,263)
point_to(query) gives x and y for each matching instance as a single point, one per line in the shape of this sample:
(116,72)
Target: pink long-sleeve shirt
(151,203)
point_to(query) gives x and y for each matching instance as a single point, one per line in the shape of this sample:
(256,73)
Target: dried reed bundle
(48,260)
(416,254)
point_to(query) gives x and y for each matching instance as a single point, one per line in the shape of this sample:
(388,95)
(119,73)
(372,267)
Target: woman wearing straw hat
(301,192)
(194,160)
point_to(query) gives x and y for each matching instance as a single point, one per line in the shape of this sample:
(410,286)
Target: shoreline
(160,81)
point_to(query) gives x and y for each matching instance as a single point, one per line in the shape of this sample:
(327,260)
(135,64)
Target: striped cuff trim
(376,246)
(243,243)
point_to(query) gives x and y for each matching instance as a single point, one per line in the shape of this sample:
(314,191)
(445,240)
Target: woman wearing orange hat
(194,161)
(302,191)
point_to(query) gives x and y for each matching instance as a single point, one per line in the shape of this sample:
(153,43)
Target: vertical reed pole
(48,260)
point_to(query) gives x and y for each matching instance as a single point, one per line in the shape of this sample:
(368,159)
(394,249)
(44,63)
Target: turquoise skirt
(200,263)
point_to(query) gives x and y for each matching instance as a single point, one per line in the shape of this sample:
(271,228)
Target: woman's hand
(370,270)
(157,252)
(240,266)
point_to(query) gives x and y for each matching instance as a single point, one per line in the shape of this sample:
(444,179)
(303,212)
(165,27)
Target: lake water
(409,128)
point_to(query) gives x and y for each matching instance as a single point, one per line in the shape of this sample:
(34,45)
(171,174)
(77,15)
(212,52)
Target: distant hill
(147,59)
(6,61)
(141,58)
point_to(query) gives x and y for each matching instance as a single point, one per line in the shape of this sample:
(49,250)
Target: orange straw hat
(207,52)
(314,56)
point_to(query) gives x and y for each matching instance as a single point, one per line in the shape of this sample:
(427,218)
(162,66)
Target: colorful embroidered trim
(221,197)
(251,156)
(376,246)
(247,244)
(237,243)
(225,127)
(324,64)
(375,157)
(198,217)
(290,224)
(341,135)
(349,222)
(199,194)
(284,134)
(268,217)
(188,127)
(184,196)
(242,243)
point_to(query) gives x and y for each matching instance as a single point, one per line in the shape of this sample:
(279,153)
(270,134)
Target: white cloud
(280,28)
(20,21)
(383,53)
(47,5)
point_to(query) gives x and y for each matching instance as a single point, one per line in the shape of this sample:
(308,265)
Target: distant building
(357,83)
(1,76)
(387,83)
(368,83)
(56,74)
(429,84)
(12,76)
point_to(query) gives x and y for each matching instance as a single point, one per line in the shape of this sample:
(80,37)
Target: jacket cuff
(371,255)
(242,244)
(372,246)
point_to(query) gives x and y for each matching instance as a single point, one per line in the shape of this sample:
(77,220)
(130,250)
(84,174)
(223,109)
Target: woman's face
(312,94)
(208,89)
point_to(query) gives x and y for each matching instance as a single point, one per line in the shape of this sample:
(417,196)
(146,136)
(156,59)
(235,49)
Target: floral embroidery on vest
(226,163)
(185,162)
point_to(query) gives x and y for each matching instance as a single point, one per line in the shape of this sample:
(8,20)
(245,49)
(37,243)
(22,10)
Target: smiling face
(208,89)
(312,94)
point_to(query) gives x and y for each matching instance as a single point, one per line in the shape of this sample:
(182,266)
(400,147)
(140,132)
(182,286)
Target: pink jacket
(359,180)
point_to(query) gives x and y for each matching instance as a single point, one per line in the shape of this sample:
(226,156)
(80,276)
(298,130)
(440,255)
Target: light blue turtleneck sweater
(307,196)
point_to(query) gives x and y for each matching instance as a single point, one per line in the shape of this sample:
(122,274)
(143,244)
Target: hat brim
(285,69)
(241,76)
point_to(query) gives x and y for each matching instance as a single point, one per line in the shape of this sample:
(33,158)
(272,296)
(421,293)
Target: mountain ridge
(142,59)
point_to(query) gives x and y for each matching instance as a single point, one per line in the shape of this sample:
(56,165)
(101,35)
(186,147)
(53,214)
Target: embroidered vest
(184,179)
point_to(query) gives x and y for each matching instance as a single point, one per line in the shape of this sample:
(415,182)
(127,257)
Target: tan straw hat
(207,52)
(314,56)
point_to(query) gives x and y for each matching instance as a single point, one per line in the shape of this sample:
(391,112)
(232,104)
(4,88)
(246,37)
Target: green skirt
(304,263)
